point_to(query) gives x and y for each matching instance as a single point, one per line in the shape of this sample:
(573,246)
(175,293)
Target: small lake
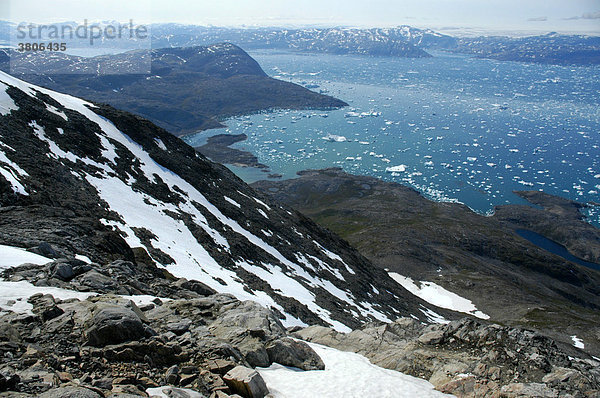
(553,247)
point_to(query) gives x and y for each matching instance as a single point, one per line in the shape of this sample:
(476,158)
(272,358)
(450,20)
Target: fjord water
(453,127)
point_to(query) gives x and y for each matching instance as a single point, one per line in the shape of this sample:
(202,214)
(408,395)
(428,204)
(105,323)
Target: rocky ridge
(107,345)
(189,339)
(469,359)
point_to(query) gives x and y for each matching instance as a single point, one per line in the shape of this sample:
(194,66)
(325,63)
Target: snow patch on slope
(438,296)
(577,342)
(11,172)
(6,102)
(233,202)
(191,260)
(11,256)
(346,375)
(14,295)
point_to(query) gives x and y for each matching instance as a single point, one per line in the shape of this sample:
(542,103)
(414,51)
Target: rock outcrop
(467,358)
(187,342)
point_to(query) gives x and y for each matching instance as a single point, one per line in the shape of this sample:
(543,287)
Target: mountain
(398,42)
(188,89)
(478,257)
(403,41)
(551,48)
(91,180)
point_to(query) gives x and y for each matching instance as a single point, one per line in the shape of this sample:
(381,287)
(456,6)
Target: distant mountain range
(189,89)
(403,41)
(552,48)
(399,42)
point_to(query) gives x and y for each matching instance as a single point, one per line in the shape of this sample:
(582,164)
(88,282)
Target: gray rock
(289,352)
(195,286)
(45,250)
(246,382)
(180,327)
(63,271)
(432,338)
(45,306)
(172,375)
(537,390)
(247,318)
(254,352)
(173,392)
(559,375)
(70,392)
(96,281)
(248,326)
(113,325)
(8,379)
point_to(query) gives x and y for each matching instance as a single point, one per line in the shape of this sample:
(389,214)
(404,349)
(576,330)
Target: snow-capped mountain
(403,41)
(94,181)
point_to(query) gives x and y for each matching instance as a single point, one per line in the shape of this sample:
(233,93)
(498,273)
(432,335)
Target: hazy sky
(495,15)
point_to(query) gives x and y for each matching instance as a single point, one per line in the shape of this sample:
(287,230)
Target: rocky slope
(91,180)
(469,359)
(108,345)
(184,338)
(188,89)
(480,258)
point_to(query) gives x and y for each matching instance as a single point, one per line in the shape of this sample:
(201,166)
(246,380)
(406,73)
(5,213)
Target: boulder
(172,375)
(195,286)
(220,366)
(44,249)
(179,327)
(45,306)
(95,281)
(432,338)
(247,318)
(64,272)
(254,352)
(70,392)
(289,352)
(114,325)
(8,379)
(173,392)
(537,390)
(248,326)
(246,382)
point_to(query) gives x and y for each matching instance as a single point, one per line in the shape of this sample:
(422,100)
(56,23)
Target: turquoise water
(453,127)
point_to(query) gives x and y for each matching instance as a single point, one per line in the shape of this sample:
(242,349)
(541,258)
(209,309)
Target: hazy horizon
(458,17)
